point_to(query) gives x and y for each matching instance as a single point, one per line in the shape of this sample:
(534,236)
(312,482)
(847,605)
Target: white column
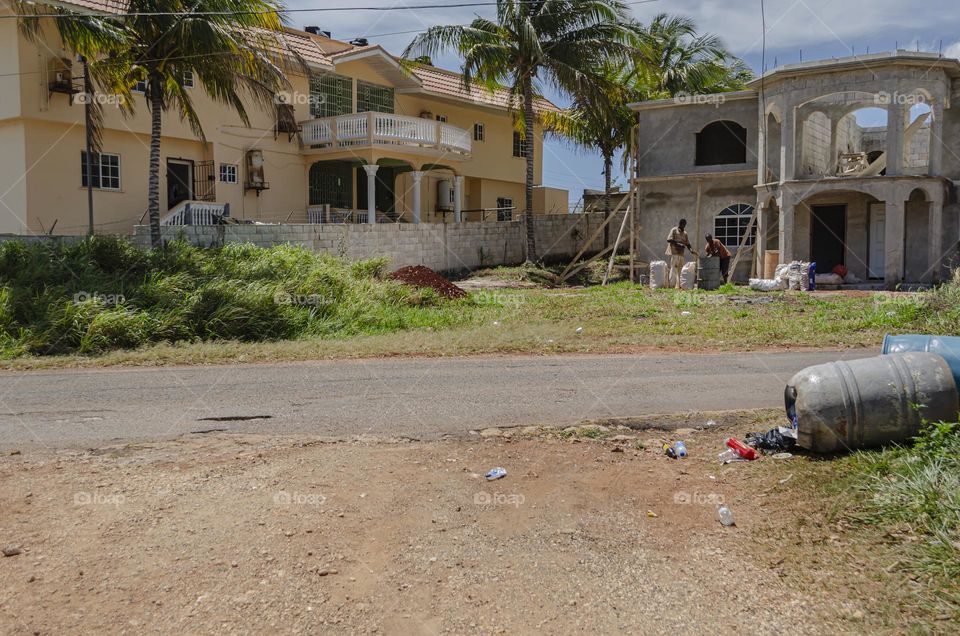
(417,176)
(761,242)
(895,220)
(935,233)
(371,170)
(789,145)
(457,199)
(936,139)
(787,213)
(896,115)
(762,152)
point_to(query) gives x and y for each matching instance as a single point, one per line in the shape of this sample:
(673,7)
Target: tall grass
(104,293)
(913,495)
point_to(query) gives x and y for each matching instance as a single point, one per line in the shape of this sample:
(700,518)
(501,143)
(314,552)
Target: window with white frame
(140,86)
(188,79)
(228,173)
(731,225)
(478,132)
(105,170)
(504,209)
(441,118)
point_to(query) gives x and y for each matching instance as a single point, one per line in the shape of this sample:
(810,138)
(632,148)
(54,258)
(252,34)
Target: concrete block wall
(68,239)
(440,246)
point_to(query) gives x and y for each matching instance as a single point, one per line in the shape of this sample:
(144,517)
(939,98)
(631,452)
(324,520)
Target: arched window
(722,142)
(731,224)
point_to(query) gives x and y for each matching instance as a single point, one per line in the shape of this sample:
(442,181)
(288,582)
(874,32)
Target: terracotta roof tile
(448,83)
(106,6)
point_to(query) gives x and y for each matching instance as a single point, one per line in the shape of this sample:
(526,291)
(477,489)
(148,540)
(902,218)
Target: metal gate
(204,181)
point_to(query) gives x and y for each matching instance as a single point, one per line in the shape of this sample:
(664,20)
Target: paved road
(417,397)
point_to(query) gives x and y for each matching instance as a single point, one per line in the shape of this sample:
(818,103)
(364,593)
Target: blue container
(946,346)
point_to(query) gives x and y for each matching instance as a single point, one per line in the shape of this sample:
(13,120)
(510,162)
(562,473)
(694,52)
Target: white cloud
(952,50)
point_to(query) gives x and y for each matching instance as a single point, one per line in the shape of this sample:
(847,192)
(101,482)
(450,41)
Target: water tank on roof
(445,194)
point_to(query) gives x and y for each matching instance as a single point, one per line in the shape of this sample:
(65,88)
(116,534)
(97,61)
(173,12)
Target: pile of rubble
(420,276)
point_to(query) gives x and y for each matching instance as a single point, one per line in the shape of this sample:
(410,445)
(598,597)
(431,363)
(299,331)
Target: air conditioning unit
(61,75)
(445,194)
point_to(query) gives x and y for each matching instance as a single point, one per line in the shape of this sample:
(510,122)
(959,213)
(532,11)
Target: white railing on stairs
(197,213)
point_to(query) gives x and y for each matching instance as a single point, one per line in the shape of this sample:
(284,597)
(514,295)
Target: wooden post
(370,125)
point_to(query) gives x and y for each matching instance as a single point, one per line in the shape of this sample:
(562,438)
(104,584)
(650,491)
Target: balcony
(383,130)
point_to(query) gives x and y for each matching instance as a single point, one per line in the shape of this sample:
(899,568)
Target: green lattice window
(374,97)
(330,95)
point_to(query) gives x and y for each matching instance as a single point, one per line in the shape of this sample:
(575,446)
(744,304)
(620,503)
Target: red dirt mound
(421,276)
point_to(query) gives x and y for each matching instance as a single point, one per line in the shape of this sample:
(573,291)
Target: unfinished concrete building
(851,161)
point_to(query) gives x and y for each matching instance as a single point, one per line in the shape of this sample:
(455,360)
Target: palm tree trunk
(607,170)
(88,125)
(528,190)
(153,189)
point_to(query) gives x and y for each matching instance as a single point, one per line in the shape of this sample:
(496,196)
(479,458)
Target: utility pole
(88,125)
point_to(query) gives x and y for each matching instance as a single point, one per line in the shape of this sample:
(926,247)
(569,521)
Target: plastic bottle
(668,450)
(725,515)
(680,449)
(741,449)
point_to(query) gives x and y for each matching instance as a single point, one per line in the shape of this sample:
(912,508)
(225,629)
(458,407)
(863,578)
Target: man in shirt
(715,248)
(677,242)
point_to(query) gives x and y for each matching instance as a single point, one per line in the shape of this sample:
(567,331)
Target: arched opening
(842,134)
(916,240)
(721,143)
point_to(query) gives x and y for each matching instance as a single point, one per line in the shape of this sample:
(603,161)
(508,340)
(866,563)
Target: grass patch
(912,496)
(104,294)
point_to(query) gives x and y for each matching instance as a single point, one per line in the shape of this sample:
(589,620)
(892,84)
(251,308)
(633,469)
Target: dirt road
(242,534)
(422,398)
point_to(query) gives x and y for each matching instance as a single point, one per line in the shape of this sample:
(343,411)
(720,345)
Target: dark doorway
(384,197)
(828,233)
(179,182)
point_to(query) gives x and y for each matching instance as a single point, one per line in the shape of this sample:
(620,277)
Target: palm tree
(598,119)
(676,59)
(673,59)
(234,48)
(225,44)
(559,43)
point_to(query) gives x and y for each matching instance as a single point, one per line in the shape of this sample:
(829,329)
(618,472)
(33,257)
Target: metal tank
(946,346)
(862,403)
(709,274)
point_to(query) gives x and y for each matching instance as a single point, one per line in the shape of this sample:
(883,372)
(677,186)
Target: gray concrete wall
(668,135)
(442,247)
(664,202)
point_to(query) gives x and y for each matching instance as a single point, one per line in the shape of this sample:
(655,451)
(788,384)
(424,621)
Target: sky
(813,29)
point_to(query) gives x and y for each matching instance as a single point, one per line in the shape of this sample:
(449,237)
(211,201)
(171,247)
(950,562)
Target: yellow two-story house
(357,139)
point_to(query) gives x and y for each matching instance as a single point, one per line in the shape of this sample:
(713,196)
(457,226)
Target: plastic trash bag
(776,439)
(688,276)
(658,274)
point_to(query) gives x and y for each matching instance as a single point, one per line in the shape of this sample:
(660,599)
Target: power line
(145,14)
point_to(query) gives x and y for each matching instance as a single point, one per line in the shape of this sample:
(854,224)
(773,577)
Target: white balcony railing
(384,129)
